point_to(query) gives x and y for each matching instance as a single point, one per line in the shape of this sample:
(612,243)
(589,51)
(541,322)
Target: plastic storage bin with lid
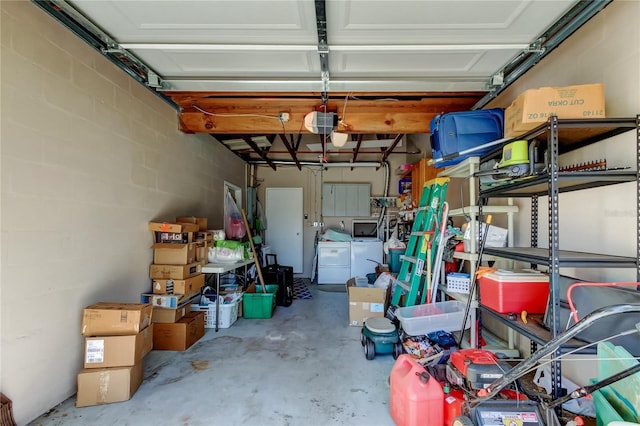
(423,319)
(507,291)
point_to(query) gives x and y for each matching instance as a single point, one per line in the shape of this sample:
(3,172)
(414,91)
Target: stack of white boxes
(117,337)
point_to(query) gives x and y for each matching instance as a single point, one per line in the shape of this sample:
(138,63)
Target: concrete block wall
(88,157)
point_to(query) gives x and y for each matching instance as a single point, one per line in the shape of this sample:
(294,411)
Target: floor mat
(334,288)
(300,289)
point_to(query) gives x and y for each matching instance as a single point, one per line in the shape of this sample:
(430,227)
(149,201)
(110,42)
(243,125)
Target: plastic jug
(416,397)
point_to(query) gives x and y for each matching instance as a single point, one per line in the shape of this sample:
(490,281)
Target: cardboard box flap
(173,227)
(106,318)
(172,246)
(202,222)
(366,294)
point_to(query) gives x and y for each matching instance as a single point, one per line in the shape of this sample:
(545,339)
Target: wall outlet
(283,117)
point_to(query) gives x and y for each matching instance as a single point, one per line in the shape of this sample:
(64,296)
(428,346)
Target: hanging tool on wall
(253,250)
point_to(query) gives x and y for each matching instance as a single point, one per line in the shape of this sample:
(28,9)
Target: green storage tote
(259,304)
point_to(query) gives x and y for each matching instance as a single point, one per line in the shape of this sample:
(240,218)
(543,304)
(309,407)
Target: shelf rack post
(554,252)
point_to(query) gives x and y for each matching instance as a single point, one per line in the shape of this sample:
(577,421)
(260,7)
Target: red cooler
(515,291)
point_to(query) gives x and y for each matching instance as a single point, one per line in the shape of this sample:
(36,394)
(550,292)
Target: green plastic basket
(259,304)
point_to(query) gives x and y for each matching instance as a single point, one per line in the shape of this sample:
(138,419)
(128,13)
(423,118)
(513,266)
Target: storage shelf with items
(466,170)
(561,136)
(418,174)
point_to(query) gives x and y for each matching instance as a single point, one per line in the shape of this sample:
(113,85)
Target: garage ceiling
(248,72)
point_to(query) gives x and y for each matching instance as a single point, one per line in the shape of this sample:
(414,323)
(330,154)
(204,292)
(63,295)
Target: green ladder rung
(424,232)
(405,285)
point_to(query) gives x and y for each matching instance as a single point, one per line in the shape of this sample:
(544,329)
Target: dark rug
(300,289)
(333,288)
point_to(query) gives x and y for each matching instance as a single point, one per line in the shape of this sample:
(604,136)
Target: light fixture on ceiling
(339,139)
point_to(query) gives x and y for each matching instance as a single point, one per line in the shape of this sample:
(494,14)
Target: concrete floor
(304,366)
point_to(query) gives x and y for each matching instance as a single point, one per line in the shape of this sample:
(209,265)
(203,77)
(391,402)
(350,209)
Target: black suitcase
(281,275)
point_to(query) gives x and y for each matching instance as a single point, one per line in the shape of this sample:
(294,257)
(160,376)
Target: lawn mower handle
(526,365)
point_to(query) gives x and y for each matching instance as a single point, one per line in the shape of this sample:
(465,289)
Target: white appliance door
(284,225)
(365,256)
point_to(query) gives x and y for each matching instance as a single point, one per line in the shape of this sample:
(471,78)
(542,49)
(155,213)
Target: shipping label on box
(173,227)
(174,254)
(117,351)
(534,106)
(98,386)
(178,286)
(180,272)
(105,319)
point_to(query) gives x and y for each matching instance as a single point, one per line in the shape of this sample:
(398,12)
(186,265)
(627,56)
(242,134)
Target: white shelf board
(462,297)
(463,255)
(462,169)
(493,344)
(485,210)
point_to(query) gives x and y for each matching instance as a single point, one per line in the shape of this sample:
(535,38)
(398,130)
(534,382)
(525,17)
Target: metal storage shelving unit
(563,135)
(466,170)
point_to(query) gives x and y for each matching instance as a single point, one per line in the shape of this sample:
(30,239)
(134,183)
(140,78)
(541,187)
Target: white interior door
(284,225)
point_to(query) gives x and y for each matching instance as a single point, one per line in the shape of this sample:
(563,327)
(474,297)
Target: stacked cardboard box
(203,237)
(117,337)
(176,281)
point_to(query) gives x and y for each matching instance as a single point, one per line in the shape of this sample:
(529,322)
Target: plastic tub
(259,304)
(423,319)
(228,313)
(394,259)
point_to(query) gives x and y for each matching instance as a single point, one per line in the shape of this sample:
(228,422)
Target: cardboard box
(97,386)
(534,106)
(200,221)
(168,301)
(176,272)
(173,237)
(365,302)
(173,227)
(115,319)
(174,254)
(181,335)
(178,286)
(117,351)
(169,316)
(202,251)
(204,236)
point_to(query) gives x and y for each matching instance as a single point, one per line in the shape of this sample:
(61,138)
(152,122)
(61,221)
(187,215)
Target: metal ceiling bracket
(546,42)
(94,36)
(323,47)
(153,80)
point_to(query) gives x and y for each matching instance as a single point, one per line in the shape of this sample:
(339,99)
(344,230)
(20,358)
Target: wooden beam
(260,115)
(356,150)
(258,151)
(291,150)
(389,150)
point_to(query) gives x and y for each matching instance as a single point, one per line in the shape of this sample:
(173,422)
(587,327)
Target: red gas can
(416,397)
(453,400)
